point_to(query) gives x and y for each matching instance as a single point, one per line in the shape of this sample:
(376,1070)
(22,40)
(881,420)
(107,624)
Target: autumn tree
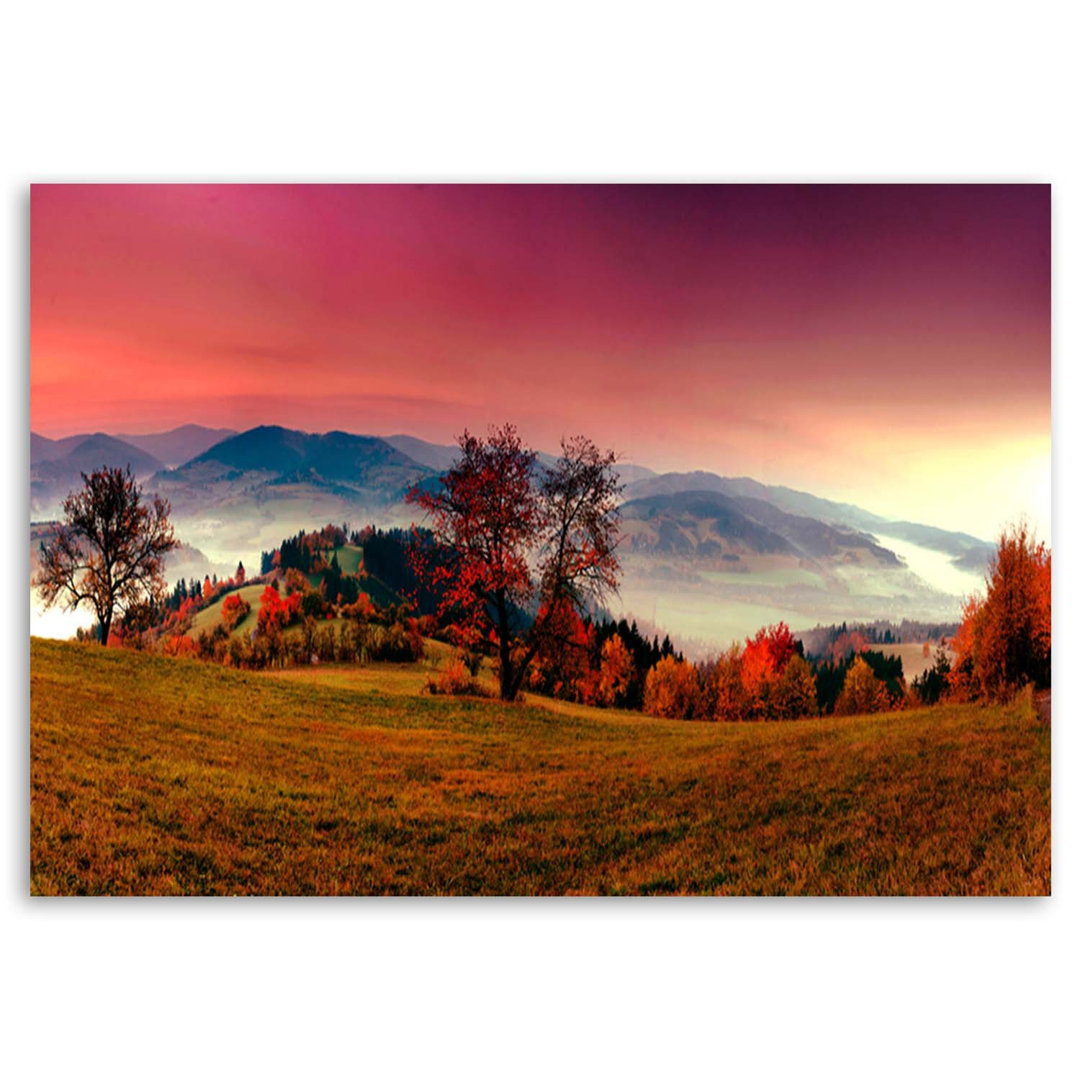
(764,658)
(519,537)
(233,610)
(863,691)
(616,671)
(561,665)
(1006,637)
(276,613)
(794,693)
(672,690)
(110,550)
(730,699)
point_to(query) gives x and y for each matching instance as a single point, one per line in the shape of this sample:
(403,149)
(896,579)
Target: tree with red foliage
(1003,640)
(561,664)
(765,655)
(520,537)
(275,612)
(233,608)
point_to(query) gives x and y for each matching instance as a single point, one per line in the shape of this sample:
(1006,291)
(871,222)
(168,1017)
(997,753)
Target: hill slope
(968,552)
(708,524)
(151,775)
(59,471)
(181,444)
(368,467)
(244,493)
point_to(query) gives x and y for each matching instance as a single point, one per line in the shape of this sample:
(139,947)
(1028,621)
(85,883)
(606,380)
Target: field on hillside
(209,619)
(911,656)
(151,775)
(350,559)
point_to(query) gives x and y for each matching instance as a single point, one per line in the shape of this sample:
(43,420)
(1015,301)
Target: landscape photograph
(540,539)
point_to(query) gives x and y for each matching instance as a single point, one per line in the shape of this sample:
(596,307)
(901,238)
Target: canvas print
(516,539)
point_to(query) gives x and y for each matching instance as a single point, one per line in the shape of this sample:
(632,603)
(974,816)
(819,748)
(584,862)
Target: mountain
(630,473)
(967,552)
(696,523)
(707,524)
(362,462)
(42,449)
(431,455)
(272,463)
(52,477)
(179,445)
(813,538)
(440,458)
(784,498)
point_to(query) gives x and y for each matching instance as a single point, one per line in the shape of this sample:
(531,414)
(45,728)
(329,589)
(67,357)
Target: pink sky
(887,345)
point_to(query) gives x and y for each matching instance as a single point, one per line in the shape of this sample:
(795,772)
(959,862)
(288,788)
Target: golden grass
(151,775)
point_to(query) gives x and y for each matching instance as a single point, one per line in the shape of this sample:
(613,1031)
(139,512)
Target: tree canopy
(109,551)
(521,537)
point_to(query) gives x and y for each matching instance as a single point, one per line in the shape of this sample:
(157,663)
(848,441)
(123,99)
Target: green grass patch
(350,558)
(151,775)
(209,619)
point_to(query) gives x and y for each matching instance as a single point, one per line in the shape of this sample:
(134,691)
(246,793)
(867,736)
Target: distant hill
(52,477)
(441,458)
(709,524)
(431,455)
(967,552)
(359,461)
(811,537)
(42,449)
(167,448)
(180,445)
(319,477)
(696,523)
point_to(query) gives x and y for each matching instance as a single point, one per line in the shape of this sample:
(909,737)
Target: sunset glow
(888,346)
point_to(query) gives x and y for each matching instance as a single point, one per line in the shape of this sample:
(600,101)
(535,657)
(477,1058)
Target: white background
(560,91)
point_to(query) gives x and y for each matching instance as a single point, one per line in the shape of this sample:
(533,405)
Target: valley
(706,558)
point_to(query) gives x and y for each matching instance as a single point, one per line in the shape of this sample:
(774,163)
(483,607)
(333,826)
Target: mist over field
(706,559)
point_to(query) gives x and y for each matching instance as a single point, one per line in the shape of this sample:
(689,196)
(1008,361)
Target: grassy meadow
(152,775)
(209,618)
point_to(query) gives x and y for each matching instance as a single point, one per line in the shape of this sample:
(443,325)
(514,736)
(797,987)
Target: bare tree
(522,537)
(109,551)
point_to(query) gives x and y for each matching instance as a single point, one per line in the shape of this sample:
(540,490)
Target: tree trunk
(106,623)
(507,689)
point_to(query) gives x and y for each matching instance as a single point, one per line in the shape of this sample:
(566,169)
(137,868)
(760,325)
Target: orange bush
(233,609)
(455,680)
(181,645)
(672,690)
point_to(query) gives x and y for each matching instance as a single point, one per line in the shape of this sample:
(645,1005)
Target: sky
(883,345)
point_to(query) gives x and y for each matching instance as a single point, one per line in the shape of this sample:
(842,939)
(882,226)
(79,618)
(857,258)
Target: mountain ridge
(966,551)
